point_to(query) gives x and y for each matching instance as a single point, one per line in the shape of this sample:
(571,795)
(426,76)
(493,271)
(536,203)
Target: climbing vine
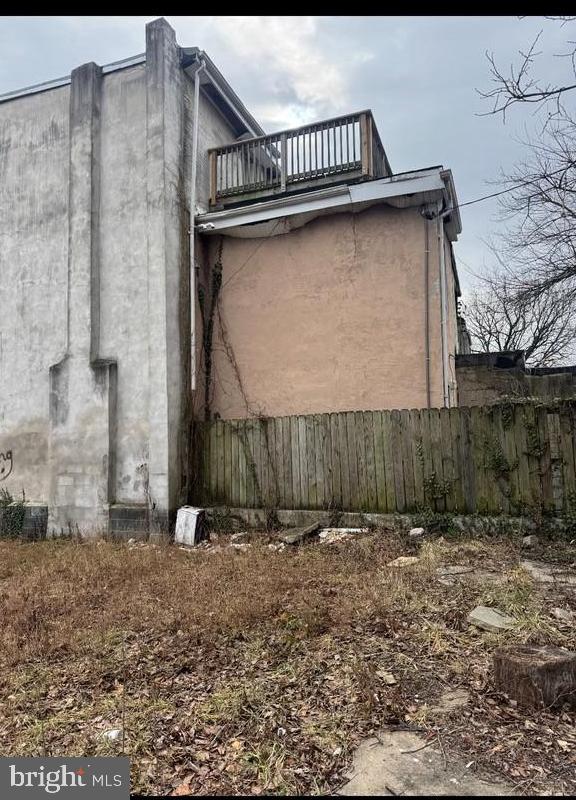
(207,316)
(11,515)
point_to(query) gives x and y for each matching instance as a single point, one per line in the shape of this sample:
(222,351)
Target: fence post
(213,177)
(366,143)
(283,161)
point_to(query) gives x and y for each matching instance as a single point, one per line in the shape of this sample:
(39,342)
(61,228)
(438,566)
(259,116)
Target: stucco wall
(94,289)
(34,147)
(213,130)
(329,317)
(123,284)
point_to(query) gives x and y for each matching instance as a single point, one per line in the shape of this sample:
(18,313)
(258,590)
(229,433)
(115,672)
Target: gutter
(331,197)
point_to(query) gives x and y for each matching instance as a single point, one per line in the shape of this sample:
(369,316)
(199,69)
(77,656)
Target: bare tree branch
(498,318)
(519,85)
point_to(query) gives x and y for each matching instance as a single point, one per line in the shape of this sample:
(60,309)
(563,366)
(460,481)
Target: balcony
(340,150)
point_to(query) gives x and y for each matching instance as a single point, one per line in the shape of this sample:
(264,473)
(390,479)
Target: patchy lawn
(256,671)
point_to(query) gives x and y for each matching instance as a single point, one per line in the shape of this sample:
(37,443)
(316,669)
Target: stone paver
(385,766)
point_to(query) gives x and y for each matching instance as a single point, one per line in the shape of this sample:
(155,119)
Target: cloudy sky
(420,76)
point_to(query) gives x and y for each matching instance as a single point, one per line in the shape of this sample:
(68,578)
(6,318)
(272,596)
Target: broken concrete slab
(299,535)
(549,573)
(402,763)
(450,699)
(331,535)
(490,619)
(403,561)
(536,675)
(453,569)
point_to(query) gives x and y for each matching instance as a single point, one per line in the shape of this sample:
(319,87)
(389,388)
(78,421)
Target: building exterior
(317,280)
(486,378)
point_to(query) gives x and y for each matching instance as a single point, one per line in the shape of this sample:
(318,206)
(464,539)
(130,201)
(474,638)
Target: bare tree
(498,318)
(539,205)
(519,85)
(538,245)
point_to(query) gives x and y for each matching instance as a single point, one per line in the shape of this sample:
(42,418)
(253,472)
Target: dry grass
(257,671)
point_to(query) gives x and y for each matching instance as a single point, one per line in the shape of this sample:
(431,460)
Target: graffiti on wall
(5,464)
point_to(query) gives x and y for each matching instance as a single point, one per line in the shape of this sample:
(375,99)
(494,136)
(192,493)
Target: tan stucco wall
(329,317)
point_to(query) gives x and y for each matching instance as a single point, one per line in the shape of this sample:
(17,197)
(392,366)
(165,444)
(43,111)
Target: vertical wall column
(82,383)
(166,267)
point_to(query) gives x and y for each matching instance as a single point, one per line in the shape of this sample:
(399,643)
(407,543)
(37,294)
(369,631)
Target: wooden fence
(509,458)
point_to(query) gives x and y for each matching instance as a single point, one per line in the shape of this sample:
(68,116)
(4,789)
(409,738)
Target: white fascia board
(333,197)
(385,188)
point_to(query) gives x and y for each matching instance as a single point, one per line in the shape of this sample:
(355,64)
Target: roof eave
(416,188)
(189,56)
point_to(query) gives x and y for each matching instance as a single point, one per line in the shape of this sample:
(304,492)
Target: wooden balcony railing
(332,151)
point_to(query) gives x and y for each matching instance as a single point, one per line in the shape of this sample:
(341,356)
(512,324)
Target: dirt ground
(242,668)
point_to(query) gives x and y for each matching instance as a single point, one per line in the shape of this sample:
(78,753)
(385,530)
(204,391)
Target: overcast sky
(418,74)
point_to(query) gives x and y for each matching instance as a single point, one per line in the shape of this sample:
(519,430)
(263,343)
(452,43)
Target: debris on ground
(190,525)
(536,675)
(563,615)
(112,735)
(299,535)
(530,541)
(490,619)
(387,677)
(416,533)
(331,535)
(259,671)
(453,569)
(403,561)
(451,699)
(238,535)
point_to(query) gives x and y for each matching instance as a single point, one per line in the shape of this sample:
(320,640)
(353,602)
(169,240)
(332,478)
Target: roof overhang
(218,90)
(405,190)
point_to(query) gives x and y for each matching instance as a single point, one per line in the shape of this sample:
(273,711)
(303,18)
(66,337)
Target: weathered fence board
(508,459)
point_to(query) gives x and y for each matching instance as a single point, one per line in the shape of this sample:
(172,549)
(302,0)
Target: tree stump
(536,676)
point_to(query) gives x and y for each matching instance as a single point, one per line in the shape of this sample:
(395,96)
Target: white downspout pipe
(192,206)
(443,311)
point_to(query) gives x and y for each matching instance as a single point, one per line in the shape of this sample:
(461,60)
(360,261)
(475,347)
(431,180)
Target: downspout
(427,309)
(443,310)
(192,248)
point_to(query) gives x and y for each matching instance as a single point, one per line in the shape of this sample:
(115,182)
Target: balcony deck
(340,150)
